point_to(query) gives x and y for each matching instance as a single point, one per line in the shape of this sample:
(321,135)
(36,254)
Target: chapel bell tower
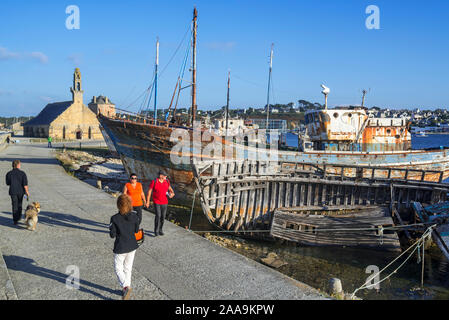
(77,93)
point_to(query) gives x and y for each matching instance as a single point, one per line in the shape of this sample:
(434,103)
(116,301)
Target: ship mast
(269,85)
(194,106)
(155,81)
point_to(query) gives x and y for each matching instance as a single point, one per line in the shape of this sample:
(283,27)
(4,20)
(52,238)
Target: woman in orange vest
(135,191)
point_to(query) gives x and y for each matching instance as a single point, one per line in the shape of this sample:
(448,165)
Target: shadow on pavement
(30,160)
(8,222)
(28,265)
(70,221)
(60,220)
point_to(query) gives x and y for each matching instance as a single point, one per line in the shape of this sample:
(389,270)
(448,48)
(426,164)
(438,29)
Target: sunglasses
(133,178)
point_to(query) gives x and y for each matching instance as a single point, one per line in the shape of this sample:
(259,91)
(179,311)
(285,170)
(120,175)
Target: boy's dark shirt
(16,179)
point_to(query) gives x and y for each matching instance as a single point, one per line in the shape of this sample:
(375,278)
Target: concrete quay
(73,234)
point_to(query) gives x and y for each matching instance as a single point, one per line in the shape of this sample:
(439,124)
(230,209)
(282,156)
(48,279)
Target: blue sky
(405,63)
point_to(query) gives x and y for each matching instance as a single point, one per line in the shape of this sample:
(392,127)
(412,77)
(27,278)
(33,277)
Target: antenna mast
(269,85)
(363,97)
(194,106)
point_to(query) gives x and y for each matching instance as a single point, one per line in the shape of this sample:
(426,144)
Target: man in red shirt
(160,188)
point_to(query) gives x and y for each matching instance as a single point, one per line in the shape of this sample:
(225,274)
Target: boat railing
(372,172)
(230,168)
(126,115)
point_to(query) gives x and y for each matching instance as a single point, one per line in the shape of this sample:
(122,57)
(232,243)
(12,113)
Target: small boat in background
(422,134)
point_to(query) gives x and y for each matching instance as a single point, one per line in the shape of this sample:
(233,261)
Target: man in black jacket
(17,181)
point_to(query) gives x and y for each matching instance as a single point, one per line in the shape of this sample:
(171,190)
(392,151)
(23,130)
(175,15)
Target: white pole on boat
(227,102)
(155,81)
(269,85)
(326,92)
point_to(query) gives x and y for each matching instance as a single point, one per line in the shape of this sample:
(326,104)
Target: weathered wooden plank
(331,196)
(287,195)
(302,194)
(295,200)
(317,197)
(309,194)
(251,208)
(324,195)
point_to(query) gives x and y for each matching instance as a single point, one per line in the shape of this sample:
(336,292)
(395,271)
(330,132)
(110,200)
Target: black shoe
(156,234)
(16,223)
(161,233)
(126,293)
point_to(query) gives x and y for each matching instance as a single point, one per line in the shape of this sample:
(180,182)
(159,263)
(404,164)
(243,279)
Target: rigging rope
(151,86)
(416,246)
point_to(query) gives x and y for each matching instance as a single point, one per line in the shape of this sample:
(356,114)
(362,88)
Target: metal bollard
(99,184)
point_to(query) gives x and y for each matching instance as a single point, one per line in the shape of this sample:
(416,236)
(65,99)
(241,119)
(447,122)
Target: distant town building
(17,128)
(102,105)
(275,124)
(66,120)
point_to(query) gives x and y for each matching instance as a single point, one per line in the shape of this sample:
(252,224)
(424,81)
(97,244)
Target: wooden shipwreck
(438,216)
(314,204)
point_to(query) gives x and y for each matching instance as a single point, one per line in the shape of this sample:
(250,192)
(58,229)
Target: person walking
(160,188)
(49,141)
(123,227)
(17,181)
(135,191)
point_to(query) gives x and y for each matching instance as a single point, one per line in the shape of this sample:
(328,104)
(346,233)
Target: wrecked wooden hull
(354,227)
(255,196)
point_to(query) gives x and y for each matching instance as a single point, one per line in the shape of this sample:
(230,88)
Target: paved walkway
(73,231)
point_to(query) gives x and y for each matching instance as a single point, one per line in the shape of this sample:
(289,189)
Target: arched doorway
(89,134)
(79,134)
(63,132)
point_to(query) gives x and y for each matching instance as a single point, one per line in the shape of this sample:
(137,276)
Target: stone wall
(77,122)
(36,131)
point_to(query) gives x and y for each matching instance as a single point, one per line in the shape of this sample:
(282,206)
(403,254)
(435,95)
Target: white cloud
(5,92)
(39,56)
(222,46)
(5,54)
(46,99)
(75,58)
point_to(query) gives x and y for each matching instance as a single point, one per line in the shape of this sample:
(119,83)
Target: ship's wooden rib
(245,195)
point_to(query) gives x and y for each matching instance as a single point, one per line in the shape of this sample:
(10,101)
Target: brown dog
(31,213)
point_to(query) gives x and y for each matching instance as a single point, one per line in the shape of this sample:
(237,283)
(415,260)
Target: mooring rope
(191,211)
(416,246)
